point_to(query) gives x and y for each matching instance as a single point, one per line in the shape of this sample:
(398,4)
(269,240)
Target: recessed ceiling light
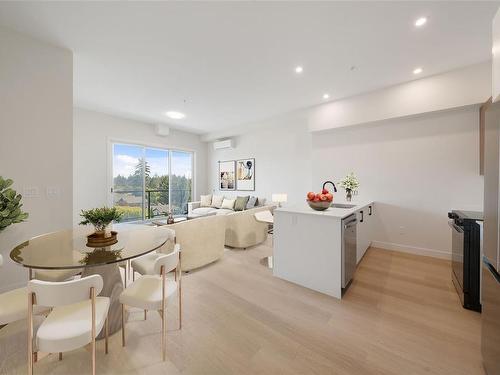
(421,21)
(326,96)
(175,115)
(417,71)
(299,69)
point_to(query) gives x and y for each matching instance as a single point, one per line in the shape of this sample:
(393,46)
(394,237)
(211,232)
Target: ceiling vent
(162,130)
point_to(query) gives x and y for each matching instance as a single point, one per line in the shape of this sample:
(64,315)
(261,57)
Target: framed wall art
(245,174)
(227,175)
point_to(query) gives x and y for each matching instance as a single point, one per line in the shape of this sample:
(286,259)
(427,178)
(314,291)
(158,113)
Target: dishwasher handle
(350,223)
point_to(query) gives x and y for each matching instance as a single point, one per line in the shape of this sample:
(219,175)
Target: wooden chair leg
(180,303)
(92,297)
(31,298)
(145,314)
(123,325)
(106,333)
(60,356)
(164,334)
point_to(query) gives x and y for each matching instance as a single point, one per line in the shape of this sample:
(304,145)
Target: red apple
(324,191)
(311,195)
(323,198)
(316,198)
(329,197)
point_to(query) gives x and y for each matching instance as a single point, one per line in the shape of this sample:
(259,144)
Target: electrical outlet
(53,192)
(31,192)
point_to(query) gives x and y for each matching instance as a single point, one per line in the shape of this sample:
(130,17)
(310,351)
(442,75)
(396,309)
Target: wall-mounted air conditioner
(226,143)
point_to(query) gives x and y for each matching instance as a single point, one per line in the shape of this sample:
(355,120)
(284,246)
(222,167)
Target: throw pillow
(241,203)
(252,202)
(217,201)
(228,203)
(205,200)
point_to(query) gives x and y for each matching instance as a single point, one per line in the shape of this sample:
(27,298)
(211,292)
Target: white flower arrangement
(350,182)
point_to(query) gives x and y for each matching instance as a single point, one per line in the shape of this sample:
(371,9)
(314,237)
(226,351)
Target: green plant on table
(10,205)
(101,217)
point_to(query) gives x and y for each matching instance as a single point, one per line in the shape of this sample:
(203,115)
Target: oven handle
(454,226)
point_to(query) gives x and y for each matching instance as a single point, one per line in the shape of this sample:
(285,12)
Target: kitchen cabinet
(365,229)
(309,247)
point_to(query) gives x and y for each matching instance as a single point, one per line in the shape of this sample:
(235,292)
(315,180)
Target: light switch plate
(53,191)
(31,192)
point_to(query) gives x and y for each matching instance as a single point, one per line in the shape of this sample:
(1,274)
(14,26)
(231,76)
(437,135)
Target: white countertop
(339,213)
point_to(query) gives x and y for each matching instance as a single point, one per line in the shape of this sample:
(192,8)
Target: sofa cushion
(203,211)
(252,201)
(241,203)
(205,200)
(228,203)
(217,201)
(224,211)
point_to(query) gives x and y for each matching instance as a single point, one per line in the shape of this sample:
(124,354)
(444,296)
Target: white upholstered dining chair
(144,265)
(13,304)
(77,317)
(154,292)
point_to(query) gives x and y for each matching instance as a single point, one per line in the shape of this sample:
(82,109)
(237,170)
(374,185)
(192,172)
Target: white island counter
(308,244)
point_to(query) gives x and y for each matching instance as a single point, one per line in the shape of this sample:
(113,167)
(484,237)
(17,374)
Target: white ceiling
(228,64)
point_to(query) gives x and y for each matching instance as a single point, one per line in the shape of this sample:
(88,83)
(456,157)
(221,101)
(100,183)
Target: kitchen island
(308,243)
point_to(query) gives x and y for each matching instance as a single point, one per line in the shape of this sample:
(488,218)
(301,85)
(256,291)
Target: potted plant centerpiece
(10,205)
(350,184)
(100,218)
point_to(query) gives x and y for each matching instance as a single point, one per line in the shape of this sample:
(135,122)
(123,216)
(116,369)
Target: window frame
(109,167)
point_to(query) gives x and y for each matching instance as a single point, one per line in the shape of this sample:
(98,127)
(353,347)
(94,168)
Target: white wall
(416,169)
(36,106)
(282,151)
(91,136)
(454,89)
(495,51)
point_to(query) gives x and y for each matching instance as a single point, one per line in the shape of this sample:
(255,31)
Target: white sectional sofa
(201,240)
(242,230)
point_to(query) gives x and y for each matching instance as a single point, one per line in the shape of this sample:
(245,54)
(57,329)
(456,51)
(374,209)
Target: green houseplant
(350,184)
(100,218)
(10,205)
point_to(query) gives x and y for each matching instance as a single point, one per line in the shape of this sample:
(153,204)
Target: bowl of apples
(321,201)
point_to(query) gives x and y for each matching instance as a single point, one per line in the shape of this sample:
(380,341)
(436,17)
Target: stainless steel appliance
(490,331)
(466,256)
(348,249)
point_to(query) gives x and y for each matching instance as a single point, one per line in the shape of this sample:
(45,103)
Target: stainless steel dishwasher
(348,248)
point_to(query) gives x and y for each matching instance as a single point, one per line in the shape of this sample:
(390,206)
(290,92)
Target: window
(148,181)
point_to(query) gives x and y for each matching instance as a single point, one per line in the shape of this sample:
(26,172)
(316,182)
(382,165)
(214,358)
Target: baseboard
(411,250)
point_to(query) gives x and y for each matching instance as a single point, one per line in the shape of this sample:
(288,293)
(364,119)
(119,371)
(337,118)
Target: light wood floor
(400,316)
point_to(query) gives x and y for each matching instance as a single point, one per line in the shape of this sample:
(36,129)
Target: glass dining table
(68,249)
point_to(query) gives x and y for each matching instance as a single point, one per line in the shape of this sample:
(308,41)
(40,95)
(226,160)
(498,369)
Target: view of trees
(128,193)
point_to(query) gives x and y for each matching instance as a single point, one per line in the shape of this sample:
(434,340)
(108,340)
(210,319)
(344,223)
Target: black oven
(466,229)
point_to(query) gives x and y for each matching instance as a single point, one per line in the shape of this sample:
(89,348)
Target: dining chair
(145,265)
(13,304)
(55,275)
(78,315)
(155,292)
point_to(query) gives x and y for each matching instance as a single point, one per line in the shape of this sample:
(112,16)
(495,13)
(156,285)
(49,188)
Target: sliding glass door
(181,181)
(148,182)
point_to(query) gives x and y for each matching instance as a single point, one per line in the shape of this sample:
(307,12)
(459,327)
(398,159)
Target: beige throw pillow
(205,200)
(217,201)
(228,203)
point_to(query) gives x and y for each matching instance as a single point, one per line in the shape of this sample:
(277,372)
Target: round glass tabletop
(68,248)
